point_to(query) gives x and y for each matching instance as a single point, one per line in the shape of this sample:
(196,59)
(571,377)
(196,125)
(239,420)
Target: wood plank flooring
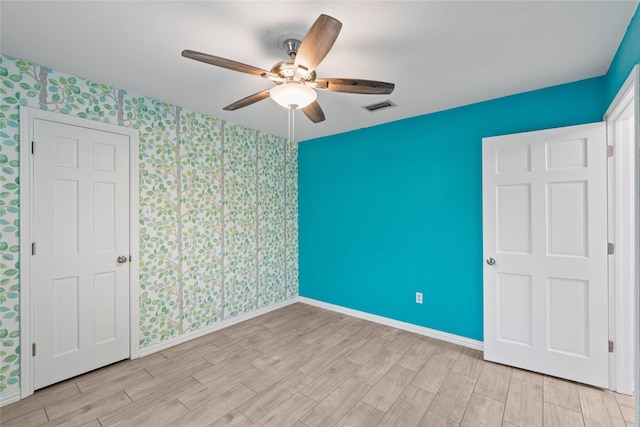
(304,366)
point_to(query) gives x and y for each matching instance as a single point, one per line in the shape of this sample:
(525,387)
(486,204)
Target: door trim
(27,117)
(623,218)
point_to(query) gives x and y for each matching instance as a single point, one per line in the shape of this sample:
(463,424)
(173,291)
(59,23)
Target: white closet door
(81,227)
(545,248)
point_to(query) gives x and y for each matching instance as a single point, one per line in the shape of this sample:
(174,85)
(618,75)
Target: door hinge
(33,349)
(609,150)
(33,147)
(610,346)
(33,248)
(610,249)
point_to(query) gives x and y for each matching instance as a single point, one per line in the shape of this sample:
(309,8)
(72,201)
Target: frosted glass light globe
(293,94)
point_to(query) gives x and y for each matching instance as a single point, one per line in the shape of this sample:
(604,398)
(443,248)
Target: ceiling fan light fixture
(293,94)
(293,75)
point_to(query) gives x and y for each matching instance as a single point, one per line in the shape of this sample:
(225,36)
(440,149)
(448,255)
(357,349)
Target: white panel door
(545,248)
(80,228)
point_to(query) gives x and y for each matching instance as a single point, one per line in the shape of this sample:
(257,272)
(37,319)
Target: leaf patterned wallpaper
(218,207)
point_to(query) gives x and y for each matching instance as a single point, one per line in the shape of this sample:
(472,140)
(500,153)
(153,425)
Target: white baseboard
(9,397)
(145,351)
(421,330)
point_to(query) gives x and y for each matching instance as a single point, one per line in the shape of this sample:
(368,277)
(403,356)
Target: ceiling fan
(296,78)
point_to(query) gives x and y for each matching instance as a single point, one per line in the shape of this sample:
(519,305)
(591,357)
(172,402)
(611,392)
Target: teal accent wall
(390,210)
(626,57)
(395,209)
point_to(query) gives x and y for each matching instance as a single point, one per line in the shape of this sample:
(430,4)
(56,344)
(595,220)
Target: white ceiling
(439,54)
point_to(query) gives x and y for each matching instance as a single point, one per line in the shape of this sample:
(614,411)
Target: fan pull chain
(291,131)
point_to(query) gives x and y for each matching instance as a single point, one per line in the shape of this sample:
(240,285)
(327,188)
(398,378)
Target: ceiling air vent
(379,106)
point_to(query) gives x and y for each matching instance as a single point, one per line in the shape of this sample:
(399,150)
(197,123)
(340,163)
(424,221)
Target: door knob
(122,259)
(491,261)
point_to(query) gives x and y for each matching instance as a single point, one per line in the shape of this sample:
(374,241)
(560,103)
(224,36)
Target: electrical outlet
(418,297)
(200,299)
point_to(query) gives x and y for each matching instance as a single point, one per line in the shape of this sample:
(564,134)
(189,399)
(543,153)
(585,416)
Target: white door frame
(623,233)
(27,117)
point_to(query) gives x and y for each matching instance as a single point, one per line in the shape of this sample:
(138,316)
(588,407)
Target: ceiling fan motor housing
(286,71)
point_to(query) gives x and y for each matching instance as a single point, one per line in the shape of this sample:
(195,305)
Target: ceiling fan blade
(317,43)
(251,99)
(369,87)
(226,63)
(314,112)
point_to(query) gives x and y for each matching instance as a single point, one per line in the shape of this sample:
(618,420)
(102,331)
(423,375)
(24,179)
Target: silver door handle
(491,261)
(122,259)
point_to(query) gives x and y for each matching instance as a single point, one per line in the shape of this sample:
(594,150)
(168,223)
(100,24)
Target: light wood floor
(304,366)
